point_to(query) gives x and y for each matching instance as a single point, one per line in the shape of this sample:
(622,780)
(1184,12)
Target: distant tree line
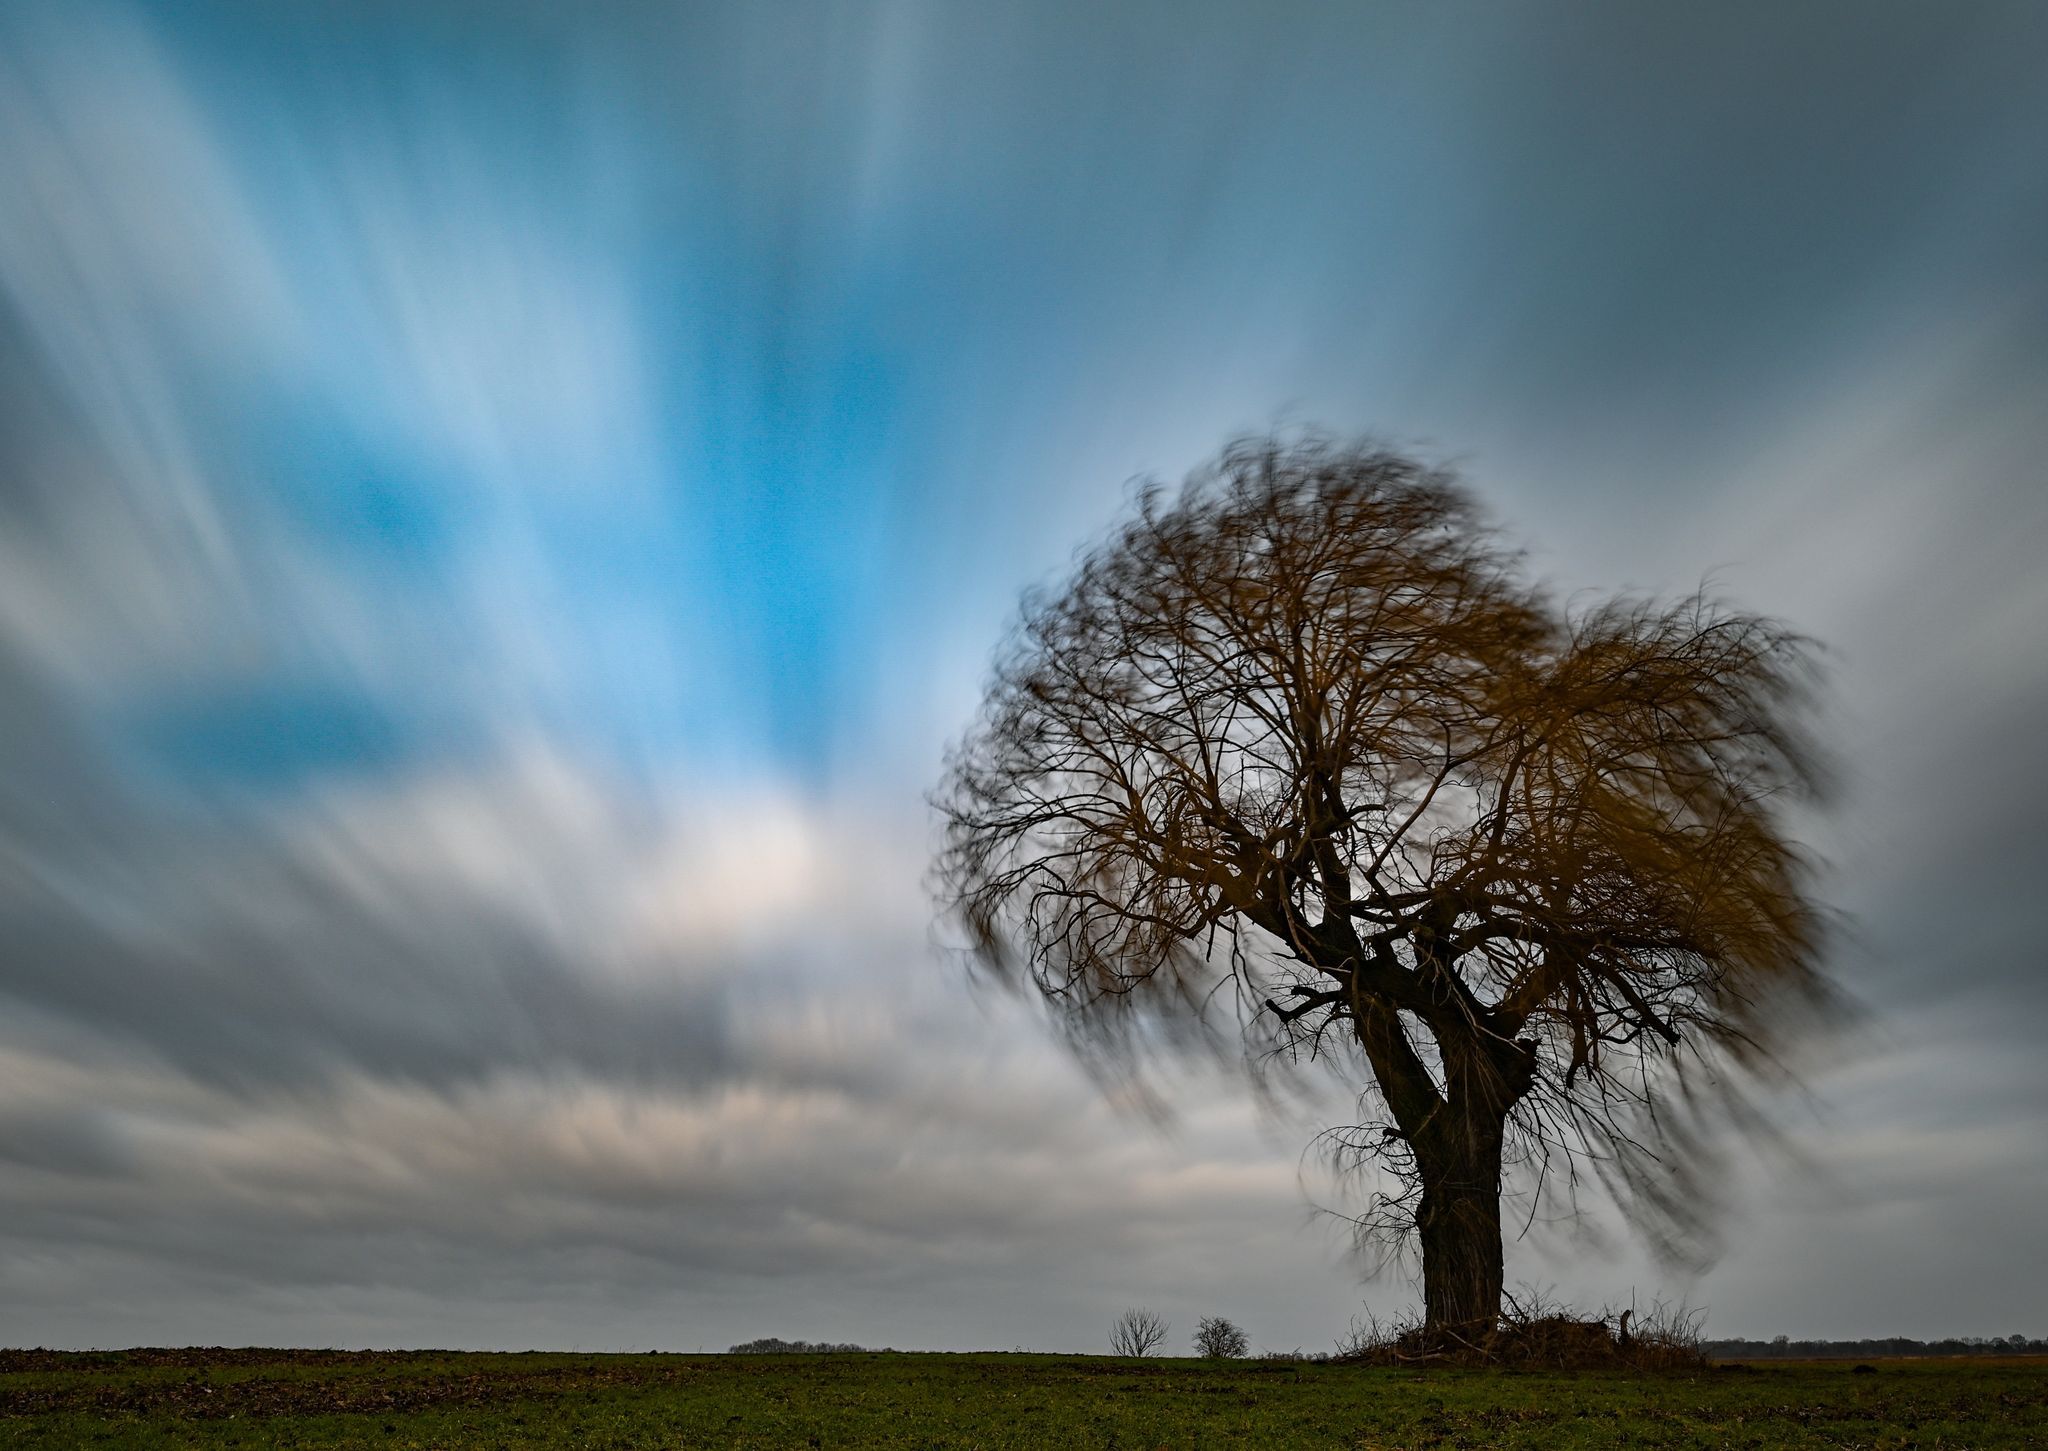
(1783,1347)
(769,1345)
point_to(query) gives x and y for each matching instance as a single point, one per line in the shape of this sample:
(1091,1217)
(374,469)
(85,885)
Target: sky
(502,508)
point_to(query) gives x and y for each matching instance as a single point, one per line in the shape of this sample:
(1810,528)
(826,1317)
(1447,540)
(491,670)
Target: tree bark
(1458,1222)
(1459,1159)
(1457,1135)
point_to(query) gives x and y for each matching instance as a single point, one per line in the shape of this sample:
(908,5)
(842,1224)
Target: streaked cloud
(498,516)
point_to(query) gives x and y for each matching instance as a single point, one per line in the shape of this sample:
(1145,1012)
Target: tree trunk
(1458,1222)
(1456,1135)
(1459,1157)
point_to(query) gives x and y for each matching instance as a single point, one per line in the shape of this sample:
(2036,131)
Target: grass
(163,1399)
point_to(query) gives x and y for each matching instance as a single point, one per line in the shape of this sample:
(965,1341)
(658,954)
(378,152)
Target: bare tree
(1218,1339)
(1136,1332)
(1303,740)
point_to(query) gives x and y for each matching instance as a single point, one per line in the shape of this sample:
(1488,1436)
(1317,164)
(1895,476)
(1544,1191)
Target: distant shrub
(769,1345)
(1136,1332)
(1218,1339)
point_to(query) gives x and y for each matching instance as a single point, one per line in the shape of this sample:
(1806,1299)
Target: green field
(398,1400)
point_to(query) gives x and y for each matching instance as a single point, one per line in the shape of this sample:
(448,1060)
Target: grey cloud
(240,956)
(492,1048)
(275,947)
(958,1159)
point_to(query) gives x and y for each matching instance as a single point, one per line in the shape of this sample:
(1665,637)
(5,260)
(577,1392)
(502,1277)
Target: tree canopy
(1303,739)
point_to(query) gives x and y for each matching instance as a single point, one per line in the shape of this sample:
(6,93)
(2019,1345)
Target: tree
(1302,739)
(1218,1339)
(1136,1332)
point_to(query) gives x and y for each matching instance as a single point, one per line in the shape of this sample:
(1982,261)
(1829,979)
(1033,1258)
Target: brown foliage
(1303,740)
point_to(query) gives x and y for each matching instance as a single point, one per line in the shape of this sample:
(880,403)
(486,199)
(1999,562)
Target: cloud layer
(497,523)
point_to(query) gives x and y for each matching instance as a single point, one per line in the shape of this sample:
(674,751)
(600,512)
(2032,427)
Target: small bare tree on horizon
(1303,740)
(1217,1338)
(1136,1332)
